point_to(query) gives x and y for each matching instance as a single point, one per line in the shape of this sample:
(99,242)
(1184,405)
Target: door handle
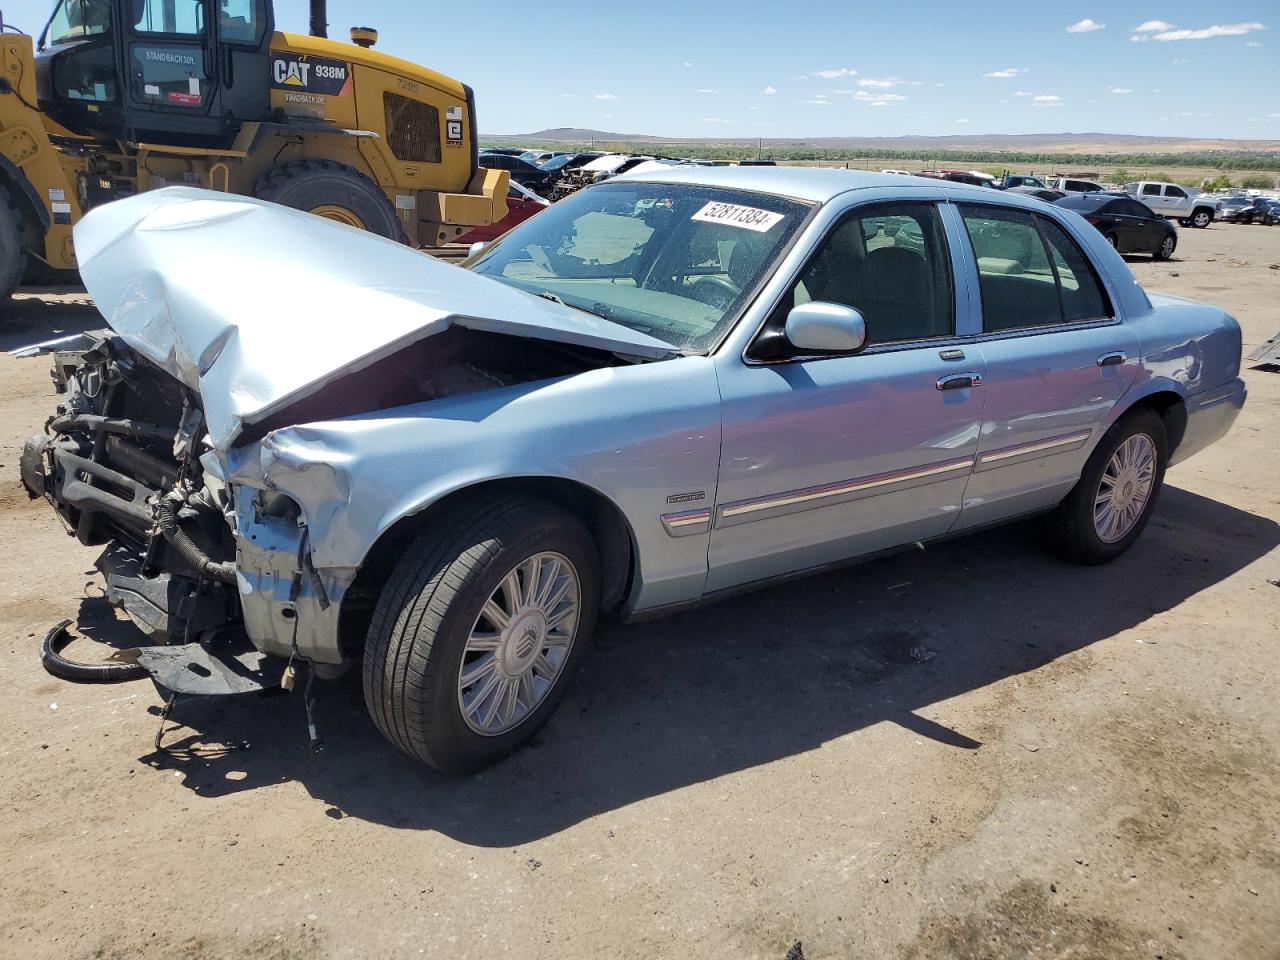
(959,381)
(1112,359)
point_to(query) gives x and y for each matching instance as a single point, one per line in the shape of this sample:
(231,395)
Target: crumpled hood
(256,306)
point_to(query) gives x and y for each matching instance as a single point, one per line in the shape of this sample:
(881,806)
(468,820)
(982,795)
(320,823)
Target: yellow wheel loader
(121,96)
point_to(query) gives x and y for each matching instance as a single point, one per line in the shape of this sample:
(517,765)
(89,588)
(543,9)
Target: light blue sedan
(661,390)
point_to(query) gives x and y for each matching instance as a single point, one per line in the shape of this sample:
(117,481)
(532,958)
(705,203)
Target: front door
(1057,361)
(826,458)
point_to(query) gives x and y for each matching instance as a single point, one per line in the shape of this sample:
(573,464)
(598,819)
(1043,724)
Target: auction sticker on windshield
(748,218)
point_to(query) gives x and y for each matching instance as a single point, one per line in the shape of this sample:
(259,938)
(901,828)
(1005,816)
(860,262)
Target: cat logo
(331,78)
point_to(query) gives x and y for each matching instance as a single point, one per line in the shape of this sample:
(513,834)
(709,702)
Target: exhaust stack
(320,18)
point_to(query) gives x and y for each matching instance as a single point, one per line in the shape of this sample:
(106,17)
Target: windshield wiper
(554,298)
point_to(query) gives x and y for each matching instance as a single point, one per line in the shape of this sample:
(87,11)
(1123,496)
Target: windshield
(674,262)
(77,19)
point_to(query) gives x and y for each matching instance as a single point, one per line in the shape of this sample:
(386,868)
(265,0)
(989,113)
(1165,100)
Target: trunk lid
(256,306)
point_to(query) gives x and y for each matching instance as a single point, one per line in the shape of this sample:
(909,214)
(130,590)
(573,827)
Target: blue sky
(763,68)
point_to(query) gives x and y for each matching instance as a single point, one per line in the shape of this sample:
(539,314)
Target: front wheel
(479,630)
(1166,248)
(1110,504)
(1201,219)
(1111,239)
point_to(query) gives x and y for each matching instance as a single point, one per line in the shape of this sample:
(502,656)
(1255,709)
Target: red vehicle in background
(522,203)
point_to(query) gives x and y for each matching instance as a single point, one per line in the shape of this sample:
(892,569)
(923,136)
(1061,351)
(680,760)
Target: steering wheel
(715,292)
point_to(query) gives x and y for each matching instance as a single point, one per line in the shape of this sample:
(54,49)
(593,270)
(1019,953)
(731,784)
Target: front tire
(479,630)
(334,191)
(1111,503)
(1166,248)
(13,255)
(1201,219)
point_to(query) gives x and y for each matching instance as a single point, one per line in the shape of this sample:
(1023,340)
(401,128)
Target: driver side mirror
(476,247)
(826,328)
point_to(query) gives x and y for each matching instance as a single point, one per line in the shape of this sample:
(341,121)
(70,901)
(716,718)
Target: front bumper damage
(222,588)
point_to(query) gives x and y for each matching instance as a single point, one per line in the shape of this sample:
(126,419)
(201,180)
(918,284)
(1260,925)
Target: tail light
(1093,220)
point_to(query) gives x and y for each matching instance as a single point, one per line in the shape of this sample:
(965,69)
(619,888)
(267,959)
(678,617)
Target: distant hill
(1012,142)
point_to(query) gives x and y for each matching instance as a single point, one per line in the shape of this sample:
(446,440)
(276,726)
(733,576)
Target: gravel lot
(1087,768)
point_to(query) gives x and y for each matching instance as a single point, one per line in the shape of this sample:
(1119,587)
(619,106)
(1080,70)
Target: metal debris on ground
(922,654)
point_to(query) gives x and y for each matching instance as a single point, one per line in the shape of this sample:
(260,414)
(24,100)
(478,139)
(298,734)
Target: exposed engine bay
(127,463)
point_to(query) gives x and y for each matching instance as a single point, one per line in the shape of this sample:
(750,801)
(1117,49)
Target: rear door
(1152,197)
(1057,360)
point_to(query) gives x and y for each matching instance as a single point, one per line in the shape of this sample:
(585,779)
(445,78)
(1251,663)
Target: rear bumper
(1209,417)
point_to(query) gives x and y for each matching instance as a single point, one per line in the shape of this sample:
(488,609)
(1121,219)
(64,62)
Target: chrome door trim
(807,498)
(946,383)
(687,523)
(1030,451)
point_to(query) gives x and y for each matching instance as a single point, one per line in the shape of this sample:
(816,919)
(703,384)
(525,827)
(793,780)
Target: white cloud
(865,97)
(1046,100)
(606,96)
(714,120)
(1023,93)
(1182,60)
(1185,113)
(961,120)
(1005,74)
(568,96)
(1274,116)
(769,91)
(1085,26)
(1121,90)
(1169,33)
(705,90)
(1153,26)
(880,103)
(887,82)
(835,73)
(687,63)
(939,84)
(816,102)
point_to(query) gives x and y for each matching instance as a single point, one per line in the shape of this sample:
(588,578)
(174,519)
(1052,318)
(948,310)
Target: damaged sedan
(305,448)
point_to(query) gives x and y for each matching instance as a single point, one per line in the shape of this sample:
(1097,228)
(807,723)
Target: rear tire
(13,253)
(334,191)
(1081,528)
(425,681)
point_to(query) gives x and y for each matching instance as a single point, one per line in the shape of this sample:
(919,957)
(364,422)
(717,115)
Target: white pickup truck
(1168,200)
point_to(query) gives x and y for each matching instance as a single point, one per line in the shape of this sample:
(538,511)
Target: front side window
(167,16)
(1030,273)
(170,74)
(1175,192)
(676,262)
(78,19)
(892,265)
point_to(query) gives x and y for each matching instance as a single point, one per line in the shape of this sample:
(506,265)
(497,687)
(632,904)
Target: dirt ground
(1088,768)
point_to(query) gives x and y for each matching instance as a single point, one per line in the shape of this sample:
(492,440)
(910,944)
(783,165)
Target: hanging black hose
(64,669)
(167,521)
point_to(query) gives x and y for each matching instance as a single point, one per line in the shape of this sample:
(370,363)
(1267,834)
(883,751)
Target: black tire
(1111,239)
(1161,253)
(417,639)
(13,253)
(312,185)
(1070,527)
(1201,219)
(1184,222)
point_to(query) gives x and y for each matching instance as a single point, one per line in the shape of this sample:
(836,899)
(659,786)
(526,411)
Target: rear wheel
(1201,219)
(1110,504)
(1111,239)
(13,255)
(334,191)
(1166,248)
(479,630)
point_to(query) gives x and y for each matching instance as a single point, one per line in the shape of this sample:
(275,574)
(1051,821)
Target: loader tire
(13,255)
(334,191)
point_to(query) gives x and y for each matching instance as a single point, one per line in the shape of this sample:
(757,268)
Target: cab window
(1151,189)
(77,19)
(241,21)
(184,17)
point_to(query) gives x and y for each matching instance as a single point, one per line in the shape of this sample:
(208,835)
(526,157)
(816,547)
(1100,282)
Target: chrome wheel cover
(1125,488)
(519,644)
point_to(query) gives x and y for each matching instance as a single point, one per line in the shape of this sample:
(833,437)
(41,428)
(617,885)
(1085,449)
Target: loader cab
(183,72)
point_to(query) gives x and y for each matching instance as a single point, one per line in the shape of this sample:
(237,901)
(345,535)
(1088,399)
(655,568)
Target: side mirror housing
(826,328)
(476,248)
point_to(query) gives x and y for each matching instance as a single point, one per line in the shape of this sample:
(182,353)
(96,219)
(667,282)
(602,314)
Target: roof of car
(815,184)
(1085,201)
